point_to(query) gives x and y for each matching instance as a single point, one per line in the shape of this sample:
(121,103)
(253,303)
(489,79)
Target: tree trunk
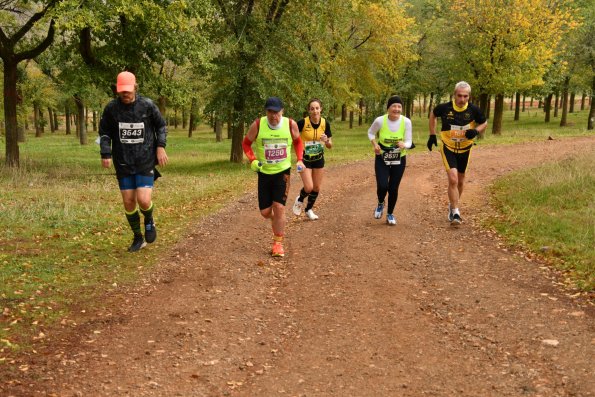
(556,105)
(361,111)
(51,118)
(183,117)
(10,113)
(523,103)
(583,100)
(590,121)
(161,103)
(511,101)
(547,107)
(498,112)
(564,119)
(76,125)
(489,107)
(176,117)
(343,112)
(67,119)
(517,107)
(41,121)
(229,125)
(218,130)
(36,120)
(21,136)
(191,123)
(81,119)
(351,119)
(571,105)
(94,120)
(56,124)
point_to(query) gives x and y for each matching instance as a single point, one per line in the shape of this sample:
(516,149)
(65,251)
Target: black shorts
(273,188)
(460,161)
(314,164)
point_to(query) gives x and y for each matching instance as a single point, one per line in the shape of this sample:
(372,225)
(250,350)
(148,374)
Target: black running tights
(388,178)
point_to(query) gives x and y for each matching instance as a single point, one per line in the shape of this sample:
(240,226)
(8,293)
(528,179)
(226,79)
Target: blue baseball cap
(273,103)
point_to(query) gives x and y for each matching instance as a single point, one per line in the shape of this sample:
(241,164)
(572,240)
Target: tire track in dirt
(356,308)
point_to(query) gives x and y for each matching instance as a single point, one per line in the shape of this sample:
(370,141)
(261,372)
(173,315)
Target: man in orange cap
(132,132)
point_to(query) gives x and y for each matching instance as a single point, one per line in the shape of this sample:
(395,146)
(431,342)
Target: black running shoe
(150,232)
(137,243)
(456,220)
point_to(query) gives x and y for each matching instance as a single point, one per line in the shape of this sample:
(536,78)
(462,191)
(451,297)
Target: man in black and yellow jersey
(274,136)
(462,122)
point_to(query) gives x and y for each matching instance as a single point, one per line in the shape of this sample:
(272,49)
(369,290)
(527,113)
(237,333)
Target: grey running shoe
(150,232)
(137,244)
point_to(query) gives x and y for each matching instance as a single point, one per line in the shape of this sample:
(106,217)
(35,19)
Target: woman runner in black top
(316,135)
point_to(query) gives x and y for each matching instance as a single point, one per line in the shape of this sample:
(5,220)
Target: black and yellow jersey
(455,121)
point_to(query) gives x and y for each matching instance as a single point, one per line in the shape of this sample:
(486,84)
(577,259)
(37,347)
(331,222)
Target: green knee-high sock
(148,213)
(311,200)
(134,221)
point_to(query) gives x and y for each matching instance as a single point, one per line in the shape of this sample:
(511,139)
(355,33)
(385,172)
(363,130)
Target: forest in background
(216,60)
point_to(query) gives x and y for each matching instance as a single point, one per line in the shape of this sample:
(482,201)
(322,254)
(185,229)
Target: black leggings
(388,178)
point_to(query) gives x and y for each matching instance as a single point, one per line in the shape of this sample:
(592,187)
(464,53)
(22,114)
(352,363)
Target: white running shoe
(450,217)
(297,206)
(378,211)
(390,219)
(311,215)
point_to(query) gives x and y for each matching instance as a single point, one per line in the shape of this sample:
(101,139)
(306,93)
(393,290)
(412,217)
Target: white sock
(455,211)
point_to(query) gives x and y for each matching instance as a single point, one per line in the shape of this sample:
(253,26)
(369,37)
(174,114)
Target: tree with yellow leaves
(506,45)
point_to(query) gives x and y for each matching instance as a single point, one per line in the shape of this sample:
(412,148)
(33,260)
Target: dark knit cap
(394,99)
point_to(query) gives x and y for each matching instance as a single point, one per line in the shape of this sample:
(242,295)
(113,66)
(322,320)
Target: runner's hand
(472,133)
(300,166)
(255,165)
(432,141)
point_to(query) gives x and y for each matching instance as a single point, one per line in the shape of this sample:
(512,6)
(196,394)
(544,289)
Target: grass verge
(549,210)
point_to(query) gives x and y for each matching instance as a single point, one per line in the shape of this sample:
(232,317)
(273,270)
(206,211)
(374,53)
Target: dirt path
(356,308)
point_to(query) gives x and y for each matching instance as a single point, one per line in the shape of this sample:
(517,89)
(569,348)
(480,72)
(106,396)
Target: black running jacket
(130,135)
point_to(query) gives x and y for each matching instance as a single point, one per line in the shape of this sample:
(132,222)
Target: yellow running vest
(273,147)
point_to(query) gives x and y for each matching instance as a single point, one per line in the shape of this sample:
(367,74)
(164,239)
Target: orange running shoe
(278,250)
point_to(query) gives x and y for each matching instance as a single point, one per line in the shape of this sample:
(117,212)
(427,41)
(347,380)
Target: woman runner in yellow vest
(394,138)
(316,136)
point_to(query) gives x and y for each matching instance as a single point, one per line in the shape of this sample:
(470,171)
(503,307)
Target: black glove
(432,141)
(472,133)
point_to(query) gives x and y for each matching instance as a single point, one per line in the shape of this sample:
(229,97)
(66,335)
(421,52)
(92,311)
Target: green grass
(549,210)
(64,235)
